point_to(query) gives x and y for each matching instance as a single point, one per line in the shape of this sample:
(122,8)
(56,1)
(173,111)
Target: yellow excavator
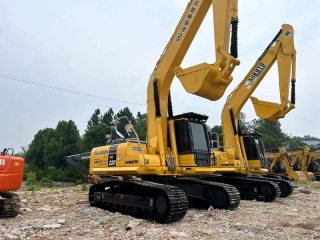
(302,159)
(240,158)
(314,163)
(279,164)
(159,178)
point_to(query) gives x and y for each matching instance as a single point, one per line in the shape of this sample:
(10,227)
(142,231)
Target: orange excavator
(11,173)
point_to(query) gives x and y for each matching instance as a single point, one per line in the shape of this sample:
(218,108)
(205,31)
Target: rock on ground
(63,213)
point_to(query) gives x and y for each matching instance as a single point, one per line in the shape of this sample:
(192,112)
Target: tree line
(273,135)
(44,156)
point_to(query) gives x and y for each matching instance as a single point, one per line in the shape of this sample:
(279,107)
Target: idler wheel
(161,205)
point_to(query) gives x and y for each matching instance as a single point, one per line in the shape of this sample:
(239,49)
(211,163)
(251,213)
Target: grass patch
(84,188)
(313,185)
(33,188)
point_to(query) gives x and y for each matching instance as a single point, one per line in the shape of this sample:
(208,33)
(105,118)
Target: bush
(79,181)
(84,187)
(52,173)
(46,182)
(31,178)
(32,188)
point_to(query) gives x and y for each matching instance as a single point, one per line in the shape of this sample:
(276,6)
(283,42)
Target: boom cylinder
(234,38)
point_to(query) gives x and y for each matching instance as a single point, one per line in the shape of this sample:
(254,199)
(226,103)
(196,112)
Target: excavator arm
(286,59)
(280,165)
(205,80)
(302,156)
(210,80)
(282,50)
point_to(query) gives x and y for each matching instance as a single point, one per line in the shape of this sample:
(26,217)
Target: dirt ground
(63,213)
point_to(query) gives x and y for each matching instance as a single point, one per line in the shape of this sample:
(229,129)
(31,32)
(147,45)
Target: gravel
(64,213)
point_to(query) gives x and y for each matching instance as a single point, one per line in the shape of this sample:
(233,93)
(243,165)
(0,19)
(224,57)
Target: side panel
(11,173)
(123,158)
(187,160)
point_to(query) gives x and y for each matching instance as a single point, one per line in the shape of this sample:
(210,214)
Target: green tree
(94,137)
(217,129)
(244,126)
(273,136)
(34,155)
(107,118)
(295,142)
(53,151)
(23,152)
(308,137)
(67,141)
(141,126)
(95,119)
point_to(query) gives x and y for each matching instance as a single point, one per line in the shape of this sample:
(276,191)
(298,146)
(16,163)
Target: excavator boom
(205,80)
(241,156)
(159,178)
(282,50)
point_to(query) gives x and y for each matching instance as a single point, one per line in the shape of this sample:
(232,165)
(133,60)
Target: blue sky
(109,49)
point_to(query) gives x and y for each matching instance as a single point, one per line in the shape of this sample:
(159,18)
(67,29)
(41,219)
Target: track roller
(286,186)
(250,188)
(141,199)
(203,193)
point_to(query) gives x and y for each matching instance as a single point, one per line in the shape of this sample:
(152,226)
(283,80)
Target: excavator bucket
(203,80)
(310,176)
(298,176)
(268,111)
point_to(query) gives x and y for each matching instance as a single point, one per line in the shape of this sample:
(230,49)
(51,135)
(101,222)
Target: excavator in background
(240,159)
(314,163)
(302,159)
(11,174)
(159,178)
(279,164)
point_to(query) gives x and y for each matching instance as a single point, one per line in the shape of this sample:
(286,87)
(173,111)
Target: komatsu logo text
(102,152)
(187,21)
(256,73)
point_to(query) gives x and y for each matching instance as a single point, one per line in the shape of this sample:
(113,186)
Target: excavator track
(203,194)
(217,195)
(251,188)
(317,176)
(286,186)
(9,204)
(141,199)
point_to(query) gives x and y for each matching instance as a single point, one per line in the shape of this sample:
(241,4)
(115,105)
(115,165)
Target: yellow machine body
(245,152)
(279,164)
(301,159)
(161,155)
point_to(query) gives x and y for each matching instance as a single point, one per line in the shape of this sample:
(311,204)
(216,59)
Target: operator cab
(313,167)
(254,147)
(7,152)
(192,137)
(297,165)
(279,167)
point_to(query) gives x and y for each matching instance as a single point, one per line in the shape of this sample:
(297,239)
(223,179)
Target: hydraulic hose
(293,91)
(234,38)
(170,111)
(156,98)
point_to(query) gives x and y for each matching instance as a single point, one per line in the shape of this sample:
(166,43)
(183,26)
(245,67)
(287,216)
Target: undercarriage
(9,204)
(162,199)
